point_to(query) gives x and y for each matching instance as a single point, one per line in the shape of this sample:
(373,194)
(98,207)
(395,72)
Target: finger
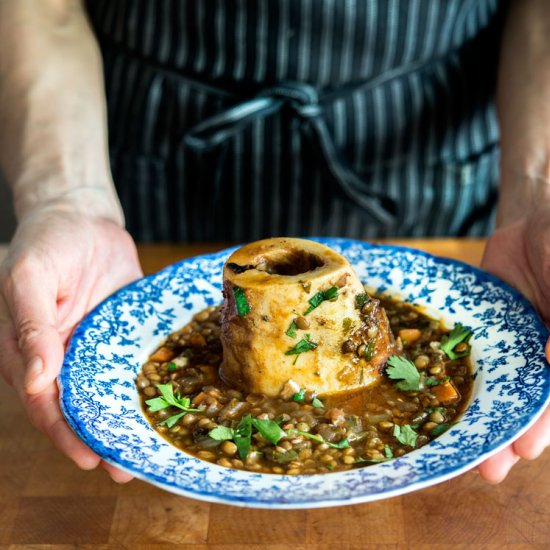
(533,442)
(31,297)
(119,476)
(496,468)
(44,412)
(11,365)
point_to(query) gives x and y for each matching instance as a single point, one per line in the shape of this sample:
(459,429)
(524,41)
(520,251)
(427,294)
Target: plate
(511,388)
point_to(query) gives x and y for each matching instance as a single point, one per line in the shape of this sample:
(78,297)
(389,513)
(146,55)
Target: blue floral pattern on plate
(512,381)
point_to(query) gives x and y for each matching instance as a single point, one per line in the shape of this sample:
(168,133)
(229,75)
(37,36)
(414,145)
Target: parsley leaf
(320,297)
(401,368)
(270,430)
(171,420)
(342,444)
(302,346)
(243,436)
(388,452)
(291,330)
(405,435)
(172,367)
(222,433)
(299,397)
(435,381)
(241,303)
(168,399)
(458,335)
(361,300)
(317,403)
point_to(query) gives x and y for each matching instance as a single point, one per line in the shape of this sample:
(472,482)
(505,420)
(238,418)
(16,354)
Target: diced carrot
(445,392)
(198,399)
(409,335)
(162,355)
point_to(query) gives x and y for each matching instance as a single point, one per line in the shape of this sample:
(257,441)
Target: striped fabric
(424,140)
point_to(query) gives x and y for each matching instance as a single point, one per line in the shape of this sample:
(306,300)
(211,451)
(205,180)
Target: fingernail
(34,370)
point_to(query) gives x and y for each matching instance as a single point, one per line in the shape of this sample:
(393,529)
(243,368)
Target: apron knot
(304,100)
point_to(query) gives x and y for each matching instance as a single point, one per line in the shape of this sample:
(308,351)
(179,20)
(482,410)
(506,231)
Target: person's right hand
(60,265)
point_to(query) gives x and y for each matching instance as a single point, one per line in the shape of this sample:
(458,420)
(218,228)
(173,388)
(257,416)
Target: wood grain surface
(47,503)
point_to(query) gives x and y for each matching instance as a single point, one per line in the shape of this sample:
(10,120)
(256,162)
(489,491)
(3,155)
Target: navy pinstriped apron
(232,120)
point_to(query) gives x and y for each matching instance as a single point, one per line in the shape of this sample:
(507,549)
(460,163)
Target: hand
(520,255)
(60,265)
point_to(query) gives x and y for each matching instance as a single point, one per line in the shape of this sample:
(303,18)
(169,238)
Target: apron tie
(307,104)
(304,101)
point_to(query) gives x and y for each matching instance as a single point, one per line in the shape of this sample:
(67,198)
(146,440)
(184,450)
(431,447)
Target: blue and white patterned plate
(106,351)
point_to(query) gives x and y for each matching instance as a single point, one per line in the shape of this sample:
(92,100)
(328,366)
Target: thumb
(31,296)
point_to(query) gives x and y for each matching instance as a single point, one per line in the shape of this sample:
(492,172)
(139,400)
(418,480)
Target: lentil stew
(425,387)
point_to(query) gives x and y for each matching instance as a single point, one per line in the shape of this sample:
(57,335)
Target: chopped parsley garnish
(241,303)
(172,367)
(301,347)
(435,381)
(402,369)
(299,396)
(362,299)
(343,444)
(317,403)
(458,335)
(222,433)
(168,399)
(321,297)
(270,430)
(291,330)
(369,350)
(242,434)
(405,435)
(388,452)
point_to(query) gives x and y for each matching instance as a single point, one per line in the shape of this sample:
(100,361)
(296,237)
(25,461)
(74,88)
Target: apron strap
(307,104)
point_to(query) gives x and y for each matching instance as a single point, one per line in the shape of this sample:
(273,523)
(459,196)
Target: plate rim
(76,425)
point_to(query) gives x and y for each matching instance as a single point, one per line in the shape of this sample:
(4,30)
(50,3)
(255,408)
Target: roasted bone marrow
(295,313)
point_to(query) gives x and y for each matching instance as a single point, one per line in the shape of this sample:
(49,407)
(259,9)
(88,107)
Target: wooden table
(47,503)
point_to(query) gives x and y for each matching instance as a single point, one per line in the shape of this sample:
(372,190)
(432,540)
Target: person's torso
(426,138)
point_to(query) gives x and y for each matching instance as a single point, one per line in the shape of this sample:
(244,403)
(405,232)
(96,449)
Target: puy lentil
(422,361)
(302,323)
(198,354)
(461,348)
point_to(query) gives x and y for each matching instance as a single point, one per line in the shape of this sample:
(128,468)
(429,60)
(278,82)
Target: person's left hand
(519,254)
